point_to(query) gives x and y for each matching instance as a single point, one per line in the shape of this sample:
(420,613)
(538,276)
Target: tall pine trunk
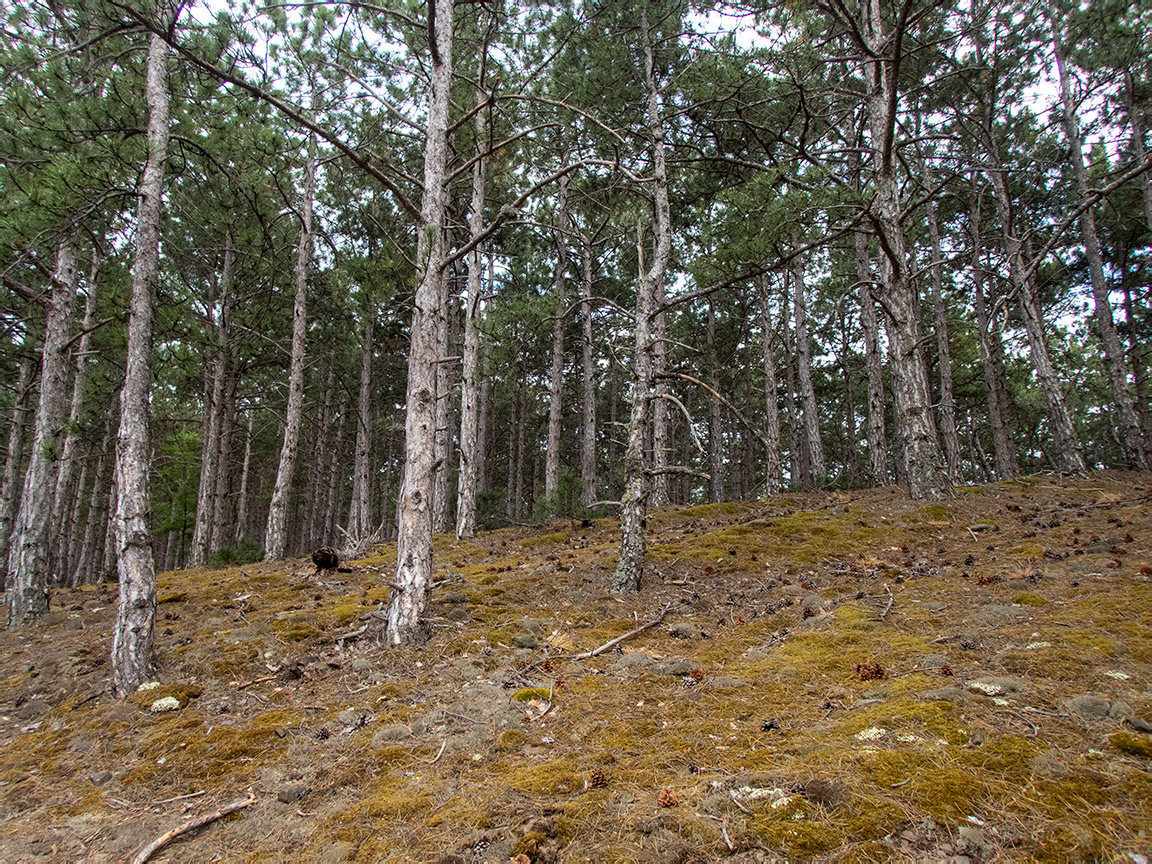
(556,376)
(213,418)
(633,543)
(136,614)
(809,408)
(360,511)
(9,501)
(715,419)
(276,532)
(471,456)
(873,364)
(588,381)
(409,596)
(28,575)
(1132,443)
(773,470)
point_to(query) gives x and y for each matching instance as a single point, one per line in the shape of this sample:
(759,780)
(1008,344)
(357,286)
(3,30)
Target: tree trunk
(333,496)
(409,596)
(630,566)
(809,408)
(276,532)
(991,350)
(773,481)
(1139,366)
(947,408)
(1136,451)
(556,378)
(588,380)
(242,498)
(213,417)
(470,453)
(797,449)
(448,332)
(518,472)
(874,364)
(15,456)
(926,476)
(514,421)
(64,500)
(28,575)
(136,613)
(314,501)
(360,511)
(96,522)
(1138,149)
(660,448)
(715,428)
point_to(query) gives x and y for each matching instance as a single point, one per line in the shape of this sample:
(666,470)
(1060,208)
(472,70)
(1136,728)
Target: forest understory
(846,676)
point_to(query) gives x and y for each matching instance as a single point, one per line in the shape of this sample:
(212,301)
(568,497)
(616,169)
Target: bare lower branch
(608,646)
(191,825)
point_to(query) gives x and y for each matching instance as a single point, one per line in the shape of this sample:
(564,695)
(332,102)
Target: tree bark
(276,532)
(926,476)
(28,575)
(947,406)
(333,496)
(1136,451)
(588,380)
(991,350)
(65,499)
(660,446)
(470,454)
(96,521)
(136,614)
(9,502)
(213,417)
(715,425)
(556,378)
(409,596)
(360,524)
(874,364)
(242,498)
(448,333)
(773,470)
(630,566)
(809,408)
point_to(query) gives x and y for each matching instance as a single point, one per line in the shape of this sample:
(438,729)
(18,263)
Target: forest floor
(837,676)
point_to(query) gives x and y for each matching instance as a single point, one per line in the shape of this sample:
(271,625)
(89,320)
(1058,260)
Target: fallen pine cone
(696,675)
(667,797)
(598,779)
(869,671)
(946,670)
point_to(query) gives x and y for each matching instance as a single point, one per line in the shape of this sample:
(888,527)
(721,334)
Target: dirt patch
(843,676)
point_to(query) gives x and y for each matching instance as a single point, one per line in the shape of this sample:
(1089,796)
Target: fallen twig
(887,608)
(257,681)
(191,825)
(443,744)
(612,643)
(736,801)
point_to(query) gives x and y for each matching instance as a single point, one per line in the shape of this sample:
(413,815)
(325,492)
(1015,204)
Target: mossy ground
(822,712)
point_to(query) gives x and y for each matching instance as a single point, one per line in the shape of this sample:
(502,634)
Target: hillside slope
(836,676)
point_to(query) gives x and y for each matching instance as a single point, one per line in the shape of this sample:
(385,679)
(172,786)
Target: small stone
(931,661)
(945,694)
(726,682)
(998,685)
(94,605)
(1091,708)
(531,625)
(361,664)
(813,603)
(457,613)
(348,717)
(1120,711)
(101,777)
(389,734)
(674,667)
(526,640)
(292,794)
(974,840)
(996,613)
(73,624)
(682,630)
(164,705)
(631,660)
(455,598)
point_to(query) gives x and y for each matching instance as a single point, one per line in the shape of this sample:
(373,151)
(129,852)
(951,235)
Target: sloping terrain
(836,676)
